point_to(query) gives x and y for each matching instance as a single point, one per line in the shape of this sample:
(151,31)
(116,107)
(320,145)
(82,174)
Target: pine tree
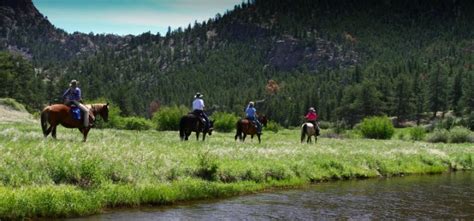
(437,96)
(456,93)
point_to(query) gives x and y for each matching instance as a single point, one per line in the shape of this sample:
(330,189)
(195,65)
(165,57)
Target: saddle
(199,116)
(76,112)
(251,122)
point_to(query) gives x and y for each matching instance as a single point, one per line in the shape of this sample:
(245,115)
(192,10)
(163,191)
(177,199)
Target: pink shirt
(311,116)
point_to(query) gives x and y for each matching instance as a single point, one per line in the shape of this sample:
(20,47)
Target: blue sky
(129,16)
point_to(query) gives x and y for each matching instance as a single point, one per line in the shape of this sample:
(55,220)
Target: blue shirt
(251,112)
(72,94)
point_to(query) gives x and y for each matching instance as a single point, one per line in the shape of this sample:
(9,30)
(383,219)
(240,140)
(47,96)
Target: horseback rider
(251,114)
(311,117)
(198,109)
(72,96)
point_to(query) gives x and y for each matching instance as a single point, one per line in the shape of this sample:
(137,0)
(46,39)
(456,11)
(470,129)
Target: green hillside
(349,59)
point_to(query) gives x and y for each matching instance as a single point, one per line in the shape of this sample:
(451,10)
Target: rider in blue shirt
(251,114)
(73,96)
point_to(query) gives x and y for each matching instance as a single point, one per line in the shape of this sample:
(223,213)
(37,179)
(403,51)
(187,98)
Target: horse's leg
(309,139)
(48,131)
(243,138)
(85,132)
(197,135)
(53,132)
(259,141)
(203,136)
(187,133)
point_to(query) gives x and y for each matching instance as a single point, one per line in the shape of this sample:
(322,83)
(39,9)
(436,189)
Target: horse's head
(102,110)
(263,119)
(211,127)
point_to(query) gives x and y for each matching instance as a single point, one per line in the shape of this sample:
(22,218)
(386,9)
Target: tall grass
(66,177)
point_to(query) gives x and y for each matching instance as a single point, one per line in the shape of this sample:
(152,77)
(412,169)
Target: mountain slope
(331,54)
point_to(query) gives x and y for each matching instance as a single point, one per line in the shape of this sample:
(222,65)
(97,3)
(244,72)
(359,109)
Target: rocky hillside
(350,58)
(26,31)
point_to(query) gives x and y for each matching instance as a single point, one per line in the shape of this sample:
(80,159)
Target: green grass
(66,177)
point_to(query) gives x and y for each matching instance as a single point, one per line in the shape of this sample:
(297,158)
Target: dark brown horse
(190,123)
(61,114)
(247,127)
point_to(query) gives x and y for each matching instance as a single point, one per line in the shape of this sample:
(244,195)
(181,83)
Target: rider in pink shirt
(311,117)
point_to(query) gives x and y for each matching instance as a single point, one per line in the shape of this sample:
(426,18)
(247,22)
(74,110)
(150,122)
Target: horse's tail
(238,133)
(181,128)
(44,120)
(304,128)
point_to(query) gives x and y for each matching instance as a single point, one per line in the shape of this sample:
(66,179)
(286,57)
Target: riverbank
(65,177)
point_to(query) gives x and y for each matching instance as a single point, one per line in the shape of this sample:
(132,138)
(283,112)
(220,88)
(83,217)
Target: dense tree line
(18,80)
(412,57)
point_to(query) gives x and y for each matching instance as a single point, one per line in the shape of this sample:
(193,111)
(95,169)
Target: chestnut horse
(247,127)
(191,122)
(61,114)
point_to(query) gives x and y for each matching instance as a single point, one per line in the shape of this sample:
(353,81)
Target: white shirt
(198,104)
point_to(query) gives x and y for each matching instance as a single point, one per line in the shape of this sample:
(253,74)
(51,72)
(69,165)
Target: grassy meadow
(114,168)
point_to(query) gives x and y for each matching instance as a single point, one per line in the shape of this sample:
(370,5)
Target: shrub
(377,128)
(325,124)
(137,123)
(438,136)
(340,127)
(417,133)
(460,135)
(224,122)
(167,118)
(273,126)
(12,103)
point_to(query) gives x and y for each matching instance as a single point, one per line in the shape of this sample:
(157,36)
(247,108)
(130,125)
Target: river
(446,196)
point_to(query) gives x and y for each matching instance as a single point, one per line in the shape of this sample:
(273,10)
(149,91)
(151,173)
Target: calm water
(446,196)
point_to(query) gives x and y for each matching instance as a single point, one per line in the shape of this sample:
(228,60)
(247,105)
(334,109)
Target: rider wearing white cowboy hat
(198,108)
(73,96)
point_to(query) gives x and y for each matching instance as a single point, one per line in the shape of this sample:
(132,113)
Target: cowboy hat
(198,95)
(73,82)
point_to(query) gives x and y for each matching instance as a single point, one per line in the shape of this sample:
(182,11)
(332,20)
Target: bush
(12,103)
(340,127)
(460,135)
(167,118)
(325,124)
(137,123)
(377,128)
(417,133)
(438,136)
(224,122)
(273,126)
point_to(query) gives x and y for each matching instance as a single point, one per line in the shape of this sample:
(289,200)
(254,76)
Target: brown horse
(61,114)
(190,123)
(247,127)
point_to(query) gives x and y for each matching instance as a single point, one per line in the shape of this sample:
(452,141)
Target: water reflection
(446,196)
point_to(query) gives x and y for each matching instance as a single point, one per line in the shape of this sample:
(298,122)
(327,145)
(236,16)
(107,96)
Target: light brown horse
(246,127)
(61,114)
(309,130)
